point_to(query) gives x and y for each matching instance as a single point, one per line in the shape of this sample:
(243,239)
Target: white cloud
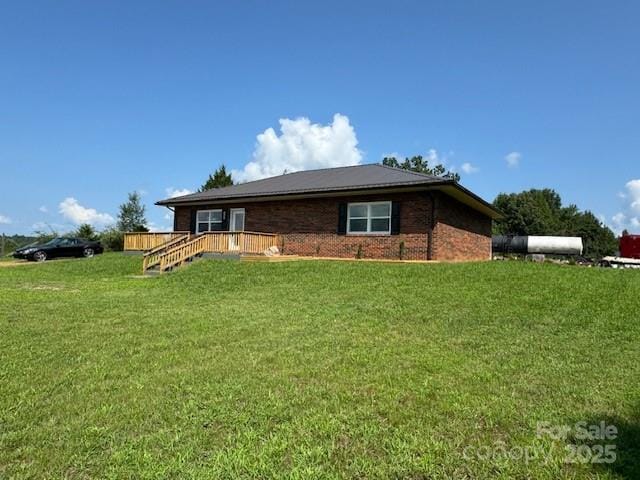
(513,159)
(633,195)
(468,168)
(302,145)
(76,213)
(435,158)
(5,220)
(168,216)
(177,192)
(43,209)
(619,220)
(629,217)
(154,227)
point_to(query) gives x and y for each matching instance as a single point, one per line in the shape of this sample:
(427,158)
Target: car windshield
(54,241)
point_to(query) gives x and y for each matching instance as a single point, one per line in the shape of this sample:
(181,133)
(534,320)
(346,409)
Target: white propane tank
(555,245)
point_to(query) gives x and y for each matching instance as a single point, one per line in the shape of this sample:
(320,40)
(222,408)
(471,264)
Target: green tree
(112,239)
(540,212)
(418,164)
(220,178)
(86,231)
(598,239)
(131,216)
(532,212)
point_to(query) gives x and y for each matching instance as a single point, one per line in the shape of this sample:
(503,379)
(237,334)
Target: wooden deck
(143,241)
(164,251)
(214,242)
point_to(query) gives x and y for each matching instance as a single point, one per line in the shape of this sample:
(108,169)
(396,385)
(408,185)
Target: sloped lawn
(315,370)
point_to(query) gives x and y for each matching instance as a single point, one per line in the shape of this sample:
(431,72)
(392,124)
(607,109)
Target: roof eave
(447,186)
(190,200)
(471,199)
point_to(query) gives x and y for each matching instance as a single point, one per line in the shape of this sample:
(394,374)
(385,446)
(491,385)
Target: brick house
(371,211)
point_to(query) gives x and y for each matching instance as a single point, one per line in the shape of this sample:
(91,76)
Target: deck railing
(183,247)
(176,256)
(239,242)
(148,240)
(153,256)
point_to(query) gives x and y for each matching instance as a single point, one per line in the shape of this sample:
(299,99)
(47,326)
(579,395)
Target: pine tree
(418,164)
(86,231)
(131,217)
(220,178)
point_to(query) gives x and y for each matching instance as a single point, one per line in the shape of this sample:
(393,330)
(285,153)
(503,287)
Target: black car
(59,247)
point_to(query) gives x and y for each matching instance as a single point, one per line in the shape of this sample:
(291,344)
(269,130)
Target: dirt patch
(16,263)
(52,288)
(47,288)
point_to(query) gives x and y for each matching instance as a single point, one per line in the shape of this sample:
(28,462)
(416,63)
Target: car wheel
(87,252)
(40,256)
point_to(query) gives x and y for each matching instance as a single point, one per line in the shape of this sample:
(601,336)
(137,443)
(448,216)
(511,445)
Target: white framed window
(208,220)
(372,218)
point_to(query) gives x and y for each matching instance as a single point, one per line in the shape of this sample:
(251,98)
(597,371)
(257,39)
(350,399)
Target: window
(208,220)
(372,217)
(67,242)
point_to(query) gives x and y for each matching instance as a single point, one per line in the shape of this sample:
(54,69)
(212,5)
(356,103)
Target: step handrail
(166,245)
(152,257)
(182,253)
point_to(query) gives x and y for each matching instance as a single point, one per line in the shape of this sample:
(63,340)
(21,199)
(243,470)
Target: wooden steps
(183,248)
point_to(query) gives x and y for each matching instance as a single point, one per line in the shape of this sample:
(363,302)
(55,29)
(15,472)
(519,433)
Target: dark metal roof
(359,177)
(326,179)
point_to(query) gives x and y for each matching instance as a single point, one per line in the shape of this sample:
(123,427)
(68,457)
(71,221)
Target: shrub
(402,250)
(86,231)
(112,239)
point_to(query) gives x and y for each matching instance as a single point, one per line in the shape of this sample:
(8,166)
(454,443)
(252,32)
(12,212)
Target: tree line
(541,212)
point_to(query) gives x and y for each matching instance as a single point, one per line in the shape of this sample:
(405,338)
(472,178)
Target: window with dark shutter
(369,218)
(342,219)
(395,218)
(192,221)
(225,220)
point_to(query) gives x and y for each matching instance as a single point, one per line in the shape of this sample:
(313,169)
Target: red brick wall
(309,227)
(461,233)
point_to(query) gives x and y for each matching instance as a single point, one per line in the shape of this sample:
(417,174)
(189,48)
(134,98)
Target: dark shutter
(225,219)
(342,219)
(395,218)
(192,223)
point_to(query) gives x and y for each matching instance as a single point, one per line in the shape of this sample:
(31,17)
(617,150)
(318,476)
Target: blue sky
(101,98)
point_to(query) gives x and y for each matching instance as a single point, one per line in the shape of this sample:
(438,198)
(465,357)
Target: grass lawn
(314,369)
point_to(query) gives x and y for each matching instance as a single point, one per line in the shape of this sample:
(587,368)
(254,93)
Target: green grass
(313,369)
